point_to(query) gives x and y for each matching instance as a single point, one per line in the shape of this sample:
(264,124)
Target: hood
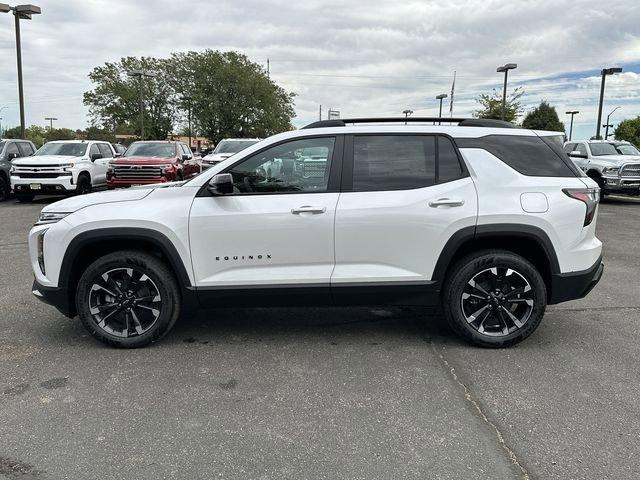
(617,159)
(73,204)
(42,160)
(142,161)
(216,157)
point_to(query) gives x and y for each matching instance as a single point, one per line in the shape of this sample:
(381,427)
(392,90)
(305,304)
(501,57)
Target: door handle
(308,209)
(446,202)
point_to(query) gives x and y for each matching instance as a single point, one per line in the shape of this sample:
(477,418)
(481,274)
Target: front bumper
(575,285)
(622,184)
(49,186)
(55,296)
(115,182)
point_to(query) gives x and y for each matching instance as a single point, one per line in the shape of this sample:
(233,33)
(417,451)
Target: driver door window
(581,148)
(299,166)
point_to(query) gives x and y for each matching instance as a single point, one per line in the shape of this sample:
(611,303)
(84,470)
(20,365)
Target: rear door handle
(308,209)
(446,202)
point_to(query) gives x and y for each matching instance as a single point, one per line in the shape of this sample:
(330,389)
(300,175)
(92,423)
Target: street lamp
(50,119)
(441,97)
(407,112)
(606,132)
(505,68)
(572,113)
(188,100)
(140,74)
(604,73)
(20,12)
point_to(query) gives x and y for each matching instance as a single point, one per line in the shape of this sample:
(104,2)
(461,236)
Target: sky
(362,58)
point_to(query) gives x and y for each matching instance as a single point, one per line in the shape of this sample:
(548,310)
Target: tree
(629,130)
(34,133)
(543,117)
(230,95)
(59,134)
(492,105)
(114,103)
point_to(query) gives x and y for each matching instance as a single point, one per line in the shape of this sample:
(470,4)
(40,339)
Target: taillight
(588,196)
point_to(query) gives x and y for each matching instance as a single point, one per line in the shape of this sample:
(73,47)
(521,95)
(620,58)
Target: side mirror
(95,156)
(577,154)
(115,155)
(12,155)
(221,184)
(185,157)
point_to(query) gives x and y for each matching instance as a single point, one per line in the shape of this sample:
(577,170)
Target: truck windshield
(600,149)
(66,149)
(227,146)
(162,150)
(623,149)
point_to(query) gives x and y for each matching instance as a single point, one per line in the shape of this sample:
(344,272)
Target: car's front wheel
(5,189)
(128,299)
(494,298)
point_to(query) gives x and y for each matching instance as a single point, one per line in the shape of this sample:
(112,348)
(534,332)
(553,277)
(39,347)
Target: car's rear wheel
(25,197)
(5,189)
(128,299)
(494,298)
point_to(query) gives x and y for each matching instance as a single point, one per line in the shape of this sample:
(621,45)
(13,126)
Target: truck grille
(41,174)
(137,172)
(631,170)
(314,169)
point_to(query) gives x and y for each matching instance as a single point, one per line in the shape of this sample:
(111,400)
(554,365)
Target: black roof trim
(463,122)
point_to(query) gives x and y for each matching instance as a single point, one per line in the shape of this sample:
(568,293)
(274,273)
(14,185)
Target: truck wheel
(25,197)
(494,298)
(84,184)
(128,299)
(5,189)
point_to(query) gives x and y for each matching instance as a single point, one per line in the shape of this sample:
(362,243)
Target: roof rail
(462,122)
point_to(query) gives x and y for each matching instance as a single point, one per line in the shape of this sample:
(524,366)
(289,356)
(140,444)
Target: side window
(449,167)
(296,166)
(12,148)
(393,162)
(569,147)
(25,149)
(105,150)
(93,149)
(581,147)
(186,150)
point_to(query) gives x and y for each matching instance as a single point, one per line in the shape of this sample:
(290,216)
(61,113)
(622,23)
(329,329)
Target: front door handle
(446,202)
(308,209)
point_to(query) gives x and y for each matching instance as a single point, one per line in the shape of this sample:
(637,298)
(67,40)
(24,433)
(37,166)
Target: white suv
(60,168)
(492,223)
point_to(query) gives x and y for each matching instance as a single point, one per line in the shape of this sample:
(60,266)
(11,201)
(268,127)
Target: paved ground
(324,393)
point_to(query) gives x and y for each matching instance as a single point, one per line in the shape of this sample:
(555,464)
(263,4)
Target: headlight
(167,168)
(610,170)
(50,217)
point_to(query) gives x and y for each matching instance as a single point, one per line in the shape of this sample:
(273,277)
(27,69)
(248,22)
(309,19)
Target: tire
(483,312)
(600,181)
(25,197)
(116,319)
(5,189)
(84,184)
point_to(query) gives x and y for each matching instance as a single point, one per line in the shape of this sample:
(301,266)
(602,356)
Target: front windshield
(600,149)
(162,150)
(67,149)
(624,149)
(227,146)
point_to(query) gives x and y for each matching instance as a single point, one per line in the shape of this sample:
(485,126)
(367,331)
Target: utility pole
(606,132)
(505,68)
(188,100)
(320,113)
(268,73)
(140,74)
(441,97)
(407,112)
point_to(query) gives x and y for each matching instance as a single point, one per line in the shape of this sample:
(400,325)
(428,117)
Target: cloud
(362,58)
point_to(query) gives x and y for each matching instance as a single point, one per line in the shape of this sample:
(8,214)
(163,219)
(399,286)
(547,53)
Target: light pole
(441,97)
(20,12)
(407,112)
(505,68)
(604,73)
(606,132)
(140,74)
(51,119)
(572,113)
(188,100)
(1,108)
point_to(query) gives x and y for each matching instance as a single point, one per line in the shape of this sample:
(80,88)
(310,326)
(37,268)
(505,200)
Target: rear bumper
(574,285)
(54,296)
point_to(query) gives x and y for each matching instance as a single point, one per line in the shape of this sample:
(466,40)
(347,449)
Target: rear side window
(526,154)
(449,167)
(25,149)
(393,162)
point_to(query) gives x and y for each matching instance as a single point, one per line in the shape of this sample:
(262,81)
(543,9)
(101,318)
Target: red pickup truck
(152,162)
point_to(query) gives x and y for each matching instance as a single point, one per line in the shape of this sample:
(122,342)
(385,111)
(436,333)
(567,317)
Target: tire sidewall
(156,271)
(84,180)
(466,269)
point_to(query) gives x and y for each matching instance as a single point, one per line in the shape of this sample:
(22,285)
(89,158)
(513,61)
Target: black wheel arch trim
(488,230)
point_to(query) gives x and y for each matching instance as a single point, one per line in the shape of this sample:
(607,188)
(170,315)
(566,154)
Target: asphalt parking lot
(324,393)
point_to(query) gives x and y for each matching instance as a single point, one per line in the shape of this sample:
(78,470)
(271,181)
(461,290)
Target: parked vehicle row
(491,223)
